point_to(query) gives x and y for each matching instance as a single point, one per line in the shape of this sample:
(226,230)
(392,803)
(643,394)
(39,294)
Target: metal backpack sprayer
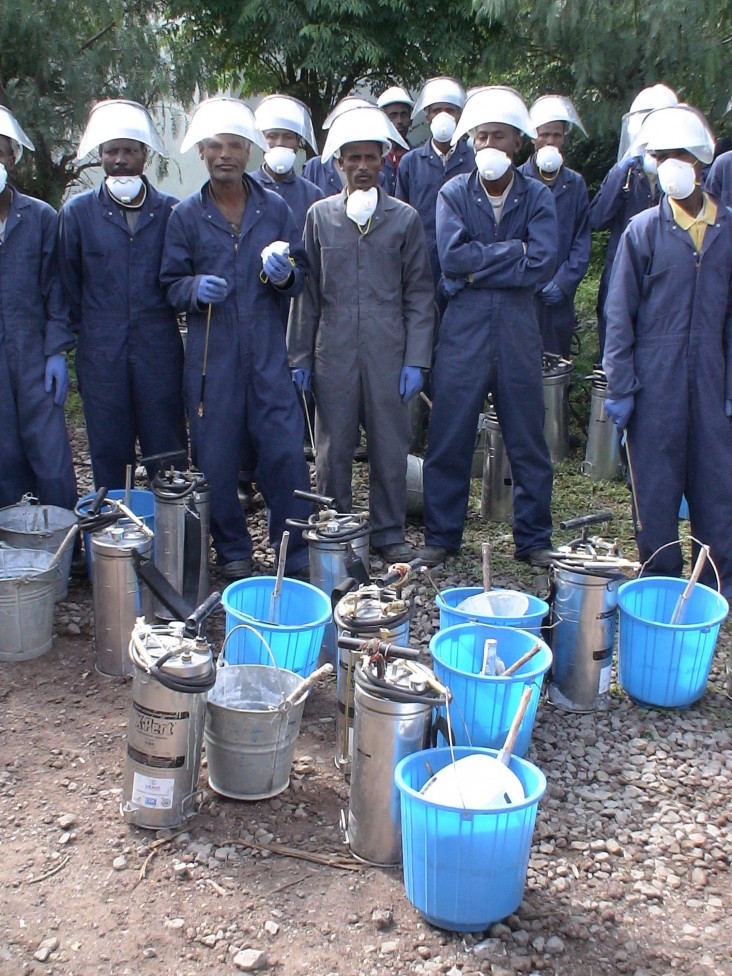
(395,703)
(377,610)
(584,582)
(173,672)
(338,545)
(602,454)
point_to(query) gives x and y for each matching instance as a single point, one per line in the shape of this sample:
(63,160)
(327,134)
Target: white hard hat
(345,104)
(9,127)
(657,96)
(222,115)
(555,108)
(494,103)
(118,118)
(677,127)
(441,89)
(285,112)
(361,124)
(394,96)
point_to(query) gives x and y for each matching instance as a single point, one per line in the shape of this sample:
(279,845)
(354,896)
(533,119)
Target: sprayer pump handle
(97,502)
(582,520)
(315,498)
(194,621)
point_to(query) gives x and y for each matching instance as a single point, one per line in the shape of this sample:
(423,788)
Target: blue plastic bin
(448,600)
(660,663)
(295,640)
(464,869)
(142,504)
(483,707)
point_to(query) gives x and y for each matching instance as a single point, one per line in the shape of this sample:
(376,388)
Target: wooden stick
(504,755)
(521,661)
(485,550)
(49,874)
(681,603)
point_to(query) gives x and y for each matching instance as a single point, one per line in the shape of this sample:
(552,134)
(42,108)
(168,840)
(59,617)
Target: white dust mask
(3,177)
(442,127)
(650,166)
(360,205)
(677,178)
(549,159)
(280,159)
(124,188)
(491,163)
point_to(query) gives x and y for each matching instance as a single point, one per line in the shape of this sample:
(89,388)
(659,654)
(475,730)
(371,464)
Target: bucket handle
(222,662)
(678,542)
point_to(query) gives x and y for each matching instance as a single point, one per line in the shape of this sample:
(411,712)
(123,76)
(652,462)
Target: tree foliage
(59,57)
(608,52)
(320,50)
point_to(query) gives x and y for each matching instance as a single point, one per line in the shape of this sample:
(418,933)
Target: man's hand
(56,373)
(211,290)
(411,382)
(302,379)
(278,268)
(620,411)
(551,294)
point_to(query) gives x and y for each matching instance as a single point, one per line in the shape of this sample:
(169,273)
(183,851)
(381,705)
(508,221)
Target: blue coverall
(556,322)
(669,342)
(35,455)
(621,196)
(248,389)
(489,342)
(420,176)
(129,361)
(719,179)
(298,193)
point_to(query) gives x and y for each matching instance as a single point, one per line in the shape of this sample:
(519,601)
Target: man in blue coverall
(497,243)
(628,188)
(397,106)
(668,351)
(553,116)
(129,360)
(231,252)
(424,171)
(35,455)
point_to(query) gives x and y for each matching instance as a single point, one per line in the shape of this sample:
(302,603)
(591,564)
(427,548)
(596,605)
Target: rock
(119,863)
(250,960)
(45,949)
(270,927)
(554,945)
(149,953)
(66,820)
(389,948)
(174,923)
(382,918)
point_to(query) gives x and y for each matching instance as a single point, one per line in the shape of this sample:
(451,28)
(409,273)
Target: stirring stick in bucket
(680,608)
(513,668)
(274,603)
(128,485)
(485,550)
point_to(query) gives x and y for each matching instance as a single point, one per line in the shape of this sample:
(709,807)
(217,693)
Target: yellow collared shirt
(696,227)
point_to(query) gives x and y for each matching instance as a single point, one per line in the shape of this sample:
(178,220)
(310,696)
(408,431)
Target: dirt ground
(629,871)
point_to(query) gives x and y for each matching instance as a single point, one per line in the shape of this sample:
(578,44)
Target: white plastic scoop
(480,782)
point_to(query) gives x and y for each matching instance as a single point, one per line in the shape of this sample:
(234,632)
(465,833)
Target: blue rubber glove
(728,409)
(625,164)
(56,373)
(411,382)
(551,294)
(302,378)
(620,411)
(278,268)
(211,290)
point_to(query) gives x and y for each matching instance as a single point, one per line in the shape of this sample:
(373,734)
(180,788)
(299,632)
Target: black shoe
(303,573)
(541,558)
(396,552)
(246,495)
(433,555)
(236,569)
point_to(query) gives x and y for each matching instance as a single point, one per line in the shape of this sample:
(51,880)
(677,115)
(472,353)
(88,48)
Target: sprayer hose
(377,686)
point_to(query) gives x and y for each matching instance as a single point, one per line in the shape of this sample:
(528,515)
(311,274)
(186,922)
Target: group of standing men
(354,281)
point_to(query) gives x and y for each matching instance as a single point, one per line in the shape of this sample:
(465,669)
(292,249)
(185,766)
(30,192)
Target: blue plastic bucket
(660,663)
(448,600)
(142,504)
(483,707)
(464,869)
(295,640)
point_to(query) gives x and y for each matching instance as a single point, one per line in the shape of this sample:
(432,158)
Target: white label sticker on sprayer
(605,679)
(152,792)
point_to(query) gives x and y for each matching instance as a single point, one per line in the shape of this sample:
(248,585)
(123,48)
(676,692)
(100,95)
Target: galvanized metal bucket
(251,730)
(32,526)
(27,597)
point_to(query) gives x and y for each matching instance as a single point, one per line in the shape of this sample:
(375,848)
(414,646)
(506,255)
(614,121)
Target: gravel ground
(629,871)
